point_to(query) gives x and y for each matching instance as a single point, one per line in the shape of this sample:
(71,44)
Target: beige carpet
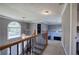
(54,48)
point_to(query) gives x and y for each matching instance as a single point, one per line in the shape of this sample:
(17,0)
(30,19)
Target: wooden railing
(27,39)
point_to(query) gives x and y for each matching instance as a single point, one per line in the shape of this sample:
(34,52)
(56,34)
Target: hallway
(41,22)
(54,48)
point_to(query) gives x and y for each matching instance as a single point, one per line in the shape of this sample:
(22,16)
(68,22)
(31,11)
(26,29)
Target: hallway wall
(33,26)
(54,30)
(44,27)
(69,24)
(66,29)
(73,29)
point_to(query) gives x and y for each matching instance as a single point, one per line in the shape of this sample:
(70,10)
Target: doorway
(38,28)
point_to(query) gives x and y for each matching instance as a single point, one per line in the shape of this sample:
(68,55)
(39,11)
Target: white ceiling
(33,12)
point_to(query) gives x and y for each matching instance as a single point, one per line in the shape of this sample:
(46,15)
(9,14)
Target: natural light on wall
(14,30)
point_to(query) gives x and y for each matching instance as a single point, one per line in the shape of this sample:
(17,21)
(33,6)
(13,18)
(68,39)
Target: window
(14,30)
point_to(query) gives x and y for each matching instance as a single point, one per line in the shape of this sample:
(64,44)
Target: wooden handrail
(11,43)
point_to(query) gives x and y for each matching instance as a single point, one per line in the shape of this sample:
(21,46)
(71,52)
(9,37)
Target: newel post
(46,37)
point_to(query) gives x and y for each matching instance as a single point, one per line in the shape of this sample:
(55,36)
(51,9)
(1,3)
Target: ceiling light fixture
(23,17)
(46,12)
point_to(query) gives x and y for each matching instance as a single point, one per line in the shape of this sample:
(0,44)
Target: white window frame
(17,26)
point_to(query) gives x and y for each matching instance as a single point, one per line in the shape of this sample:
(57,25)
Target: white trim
(62,28)
(64,48)
(63,9)
(73,28)
(70,28)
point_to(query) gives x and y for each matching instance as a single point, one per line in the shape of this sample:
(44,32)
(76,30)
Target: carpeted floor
(54,48)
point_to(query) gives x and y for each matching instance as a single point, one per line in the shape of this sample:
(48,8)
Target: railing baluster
(10,50)
(27,47)
(17,49)
(30,46)
(31,40)
(23,48)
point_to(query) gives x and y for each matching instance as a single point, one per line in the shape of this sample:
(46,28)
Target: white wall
(66,28)
(44,28)
(73,28)
(33,26)
(69,23)
(54,30)
(78,23)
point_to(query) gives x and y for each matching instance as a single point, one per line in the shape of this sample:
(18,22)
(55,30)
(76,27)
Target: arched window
(14,30)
